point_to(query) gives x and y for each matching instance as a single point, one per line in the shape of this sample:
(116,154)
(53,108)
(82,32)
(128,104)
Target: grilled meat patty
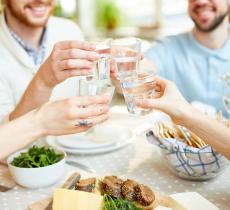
(128,190)
(145,195)
(112,186)
(87,185)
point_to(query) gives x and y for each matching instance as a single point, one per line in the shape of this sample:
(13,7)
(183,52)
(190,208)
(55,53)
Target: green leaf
(37,157)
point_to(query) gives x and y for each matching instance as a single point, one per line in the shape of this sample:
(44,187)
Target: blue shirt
(37,55)
(194,68)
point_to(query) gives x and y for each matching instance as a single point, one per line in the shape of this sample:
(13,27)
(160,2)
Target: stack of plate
(100,139)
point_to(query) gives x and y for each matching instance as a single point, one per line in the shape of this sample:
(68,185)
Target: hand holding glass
(126,55)
(138,87)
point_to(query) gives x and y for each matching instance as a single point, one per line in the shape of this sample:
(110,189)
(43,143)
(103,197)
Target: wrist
(42,81)
(38,123)
(33,125)
(188,112)
(44,77)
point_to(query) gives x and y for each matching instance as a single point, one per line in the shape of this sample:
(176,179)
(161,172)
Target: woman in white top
(173,103)
(54,118)
(68,59)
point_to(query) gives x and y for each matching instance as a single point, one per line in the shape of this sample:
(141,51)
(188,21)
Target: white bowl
(37,177)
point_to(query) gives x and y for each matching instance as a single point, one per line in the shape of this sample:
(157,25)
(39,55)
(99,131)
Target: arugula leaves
(37,157)
(118,204)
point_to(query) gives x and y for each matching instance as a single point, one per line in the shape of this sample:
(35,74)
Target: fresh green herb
(118,204)
(37,157)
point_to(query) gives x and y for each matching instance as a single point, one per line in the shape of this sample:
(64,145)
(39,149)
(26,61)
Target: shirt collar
(222,53)
(37,55)
(25,45)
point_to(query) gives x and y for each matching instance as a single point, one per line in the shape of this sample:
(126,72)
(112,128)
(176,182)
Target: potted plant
(107,14)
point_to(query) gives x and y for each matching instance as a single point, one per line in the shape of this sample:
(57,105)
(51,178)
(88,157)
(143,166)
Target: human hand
(72,115)
(68,59)
(167,99)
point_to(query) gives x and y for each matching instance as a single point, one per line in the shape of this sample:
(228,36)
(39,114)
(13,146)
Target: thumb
(150,103)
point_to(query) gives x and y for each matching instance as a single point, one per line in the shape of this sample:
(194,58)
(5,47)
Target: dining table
(138,160)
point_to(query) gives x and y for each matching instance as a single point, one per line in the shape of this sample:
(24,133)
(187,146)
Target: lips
(38,10)
(204,12)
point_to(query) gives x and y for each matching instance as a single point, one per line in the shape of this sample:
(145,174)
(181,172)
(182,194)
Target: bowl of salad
(37,167)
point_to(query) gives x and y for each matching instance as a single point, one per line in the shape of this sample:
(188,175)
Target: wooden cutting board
(6,180)
(46,204)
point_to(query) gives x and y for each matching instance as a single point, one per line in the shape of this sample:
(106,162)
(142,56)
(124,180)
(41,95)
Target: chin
(37,22)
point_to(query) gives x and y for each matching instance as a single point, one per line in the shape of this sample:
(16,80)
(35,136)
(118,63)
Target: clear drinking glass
(138,87)
(226,91)
(126,55)
(95,87)
(102,67)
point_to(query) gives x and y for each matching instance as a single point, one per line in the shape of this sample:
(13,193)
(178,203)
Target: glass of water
(93,87)
(138,87)
(126,55)
(102,66)
(226,91)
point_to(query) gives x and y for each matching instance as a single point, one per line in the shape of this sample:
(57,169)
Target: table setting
(135,144)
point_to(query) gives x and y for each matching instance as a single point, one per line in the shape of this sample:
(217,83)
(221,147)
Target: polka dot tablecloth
(140,161)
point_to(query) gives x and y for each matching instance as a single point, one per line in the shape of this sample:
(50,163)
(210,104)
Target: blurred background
(147,19)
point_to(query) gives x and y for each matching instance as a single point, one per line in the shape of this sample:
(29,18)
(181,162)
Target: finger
(162,82)
(93,121)
(98,119)
(81,129)
(75,64)
(91,111)
(77,54)
(147,103)
(77,72)
(75,44)
(112,66)
(113,75)
(83,101)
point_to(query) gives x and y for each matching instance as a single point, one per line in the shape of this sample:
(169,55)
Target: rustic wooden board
(46,204)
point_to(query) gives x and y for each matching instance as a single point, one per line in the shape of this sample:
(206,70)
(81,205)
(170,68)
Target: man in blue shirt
(196,60)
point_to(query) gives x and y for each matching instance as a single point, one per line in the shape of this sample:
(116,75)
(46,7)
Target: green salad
(118,204)
(37,157)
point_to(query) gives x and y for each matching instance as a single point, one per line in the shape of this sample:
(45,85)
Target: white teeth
(38,9)
(206,9)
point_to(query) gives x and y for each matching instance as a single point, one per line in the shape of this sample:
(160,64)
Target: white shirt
(17,68)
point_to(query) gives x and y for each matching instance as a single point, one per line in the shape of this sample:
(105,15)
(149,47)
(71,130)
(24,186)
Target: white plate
(100,136)
(117,142)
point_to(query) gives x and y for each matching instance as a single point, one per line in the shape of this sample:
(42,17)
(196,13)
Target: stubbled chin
(204,16)
(37,18)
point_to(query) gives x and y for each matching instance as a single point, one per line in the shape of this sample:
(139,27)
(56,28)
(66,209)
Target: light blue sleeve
(159,53)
